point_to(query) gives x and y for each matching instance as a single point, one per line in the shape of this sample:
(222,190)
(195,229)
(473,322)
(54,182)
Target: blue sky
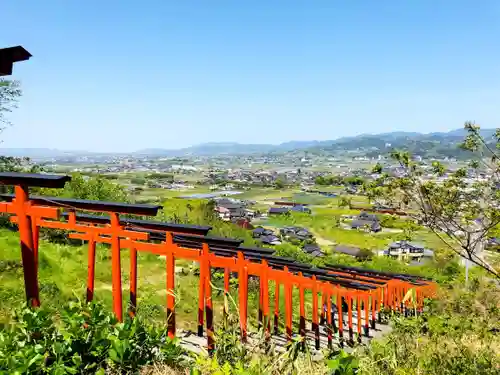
(125,75)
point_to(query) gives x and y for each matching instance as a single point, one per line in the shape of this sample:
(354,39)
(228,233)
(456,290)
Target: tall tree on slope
(10,92)
(461,206)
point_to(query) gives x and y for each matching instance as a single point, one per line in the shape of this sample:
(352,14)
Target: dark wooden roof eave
(145,225)
(9,56)
(52,181)
(91,205)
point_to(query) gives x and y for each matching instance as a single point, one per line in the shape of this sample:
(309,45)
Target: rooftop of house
(232,206)
(348,250)
(406,245)
(373,225)
(287,203)
(367,216)
(279,210)
(310,248)
(269,239)
(301,209)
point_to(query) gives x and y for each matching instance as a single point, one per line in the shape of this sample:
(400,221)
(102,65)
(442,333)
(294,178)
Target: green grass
(63,275)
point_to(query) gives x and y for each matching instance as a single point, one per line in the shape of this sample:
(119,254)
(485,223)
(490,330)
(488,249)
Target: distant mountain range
(430,144)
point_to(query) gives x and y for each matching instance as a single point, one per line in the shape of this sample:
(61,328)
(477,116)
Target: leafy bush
(457,334)
(93,188)
(81,339)
(258,357)
(138,181)
(81,187)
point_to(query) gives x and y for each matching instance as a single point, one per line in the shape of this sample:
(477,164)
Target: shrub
(457,334)
(81,339)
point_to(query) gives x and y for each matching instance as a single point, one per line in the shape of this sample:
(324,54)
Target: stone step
(192,342)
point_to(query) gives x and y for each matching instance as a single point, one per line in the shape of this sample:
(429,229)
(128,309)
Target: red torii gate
(371,288)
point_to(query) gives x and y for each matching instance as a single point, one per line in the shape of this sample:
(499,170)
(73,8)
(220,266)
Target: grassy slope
(63,275)
(63,269)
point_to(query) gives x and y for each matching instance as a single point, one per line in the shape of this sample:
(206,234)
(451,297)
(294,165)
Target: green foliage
(338,180)
(377,168)
(457,334)
(138,181)
(259,357)
(10,91)
(81,339)
(343,364)
(12,164)
(201,212)
(83,187)
(92,188)
(461,207)
(111,176)
(161,176)
(279,184)
(345,202)
(409,230)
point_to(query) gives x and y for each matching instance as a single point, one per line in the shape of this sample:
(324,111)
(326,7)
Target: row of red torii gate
(356,293)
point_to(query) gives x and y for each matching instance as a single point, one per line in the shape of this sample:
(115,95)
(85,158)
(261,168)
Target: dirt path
(320,240)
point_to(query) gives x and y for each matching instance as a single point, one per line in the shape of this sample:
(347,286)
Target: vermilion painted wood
(367,314)
(315,325)
(329,319)
(91,269)
(113,233)
(288,306)
(116,267)
(302,310)
(261,302)
(244,306)
(170,267)
(27,219)
(201,291)
(21,205)
(208,300)
(323,303)
(133,280)
(265,296)
(226,279)
(276,307)
(374,307)
(36,234)
(243,294)
(340,315)
(358,319)
(349,316)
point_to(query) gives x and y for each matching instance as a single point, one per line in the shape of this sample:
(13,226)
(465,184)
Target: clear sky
(122,75)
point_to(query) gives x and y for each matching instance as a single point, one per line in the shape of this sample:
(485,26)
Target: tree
(345,202)
(377,168)
(92,188)
(10,92)
(279,184)
(409,230)
(320,180)
(462,207)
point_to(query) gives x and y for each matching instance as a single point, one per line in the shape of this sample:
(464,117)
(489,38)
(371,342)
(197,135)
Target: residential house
(285,203)
(313,249)
(296,233)
(352,251)
(259,232)
(406,249)
(366,221)
(230,210)
(278,210)
(266,236)
(270,240)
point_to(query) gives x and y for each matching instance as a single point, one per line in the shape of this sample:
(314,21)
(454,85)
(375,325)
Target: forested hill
(432,145)
(426,145)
